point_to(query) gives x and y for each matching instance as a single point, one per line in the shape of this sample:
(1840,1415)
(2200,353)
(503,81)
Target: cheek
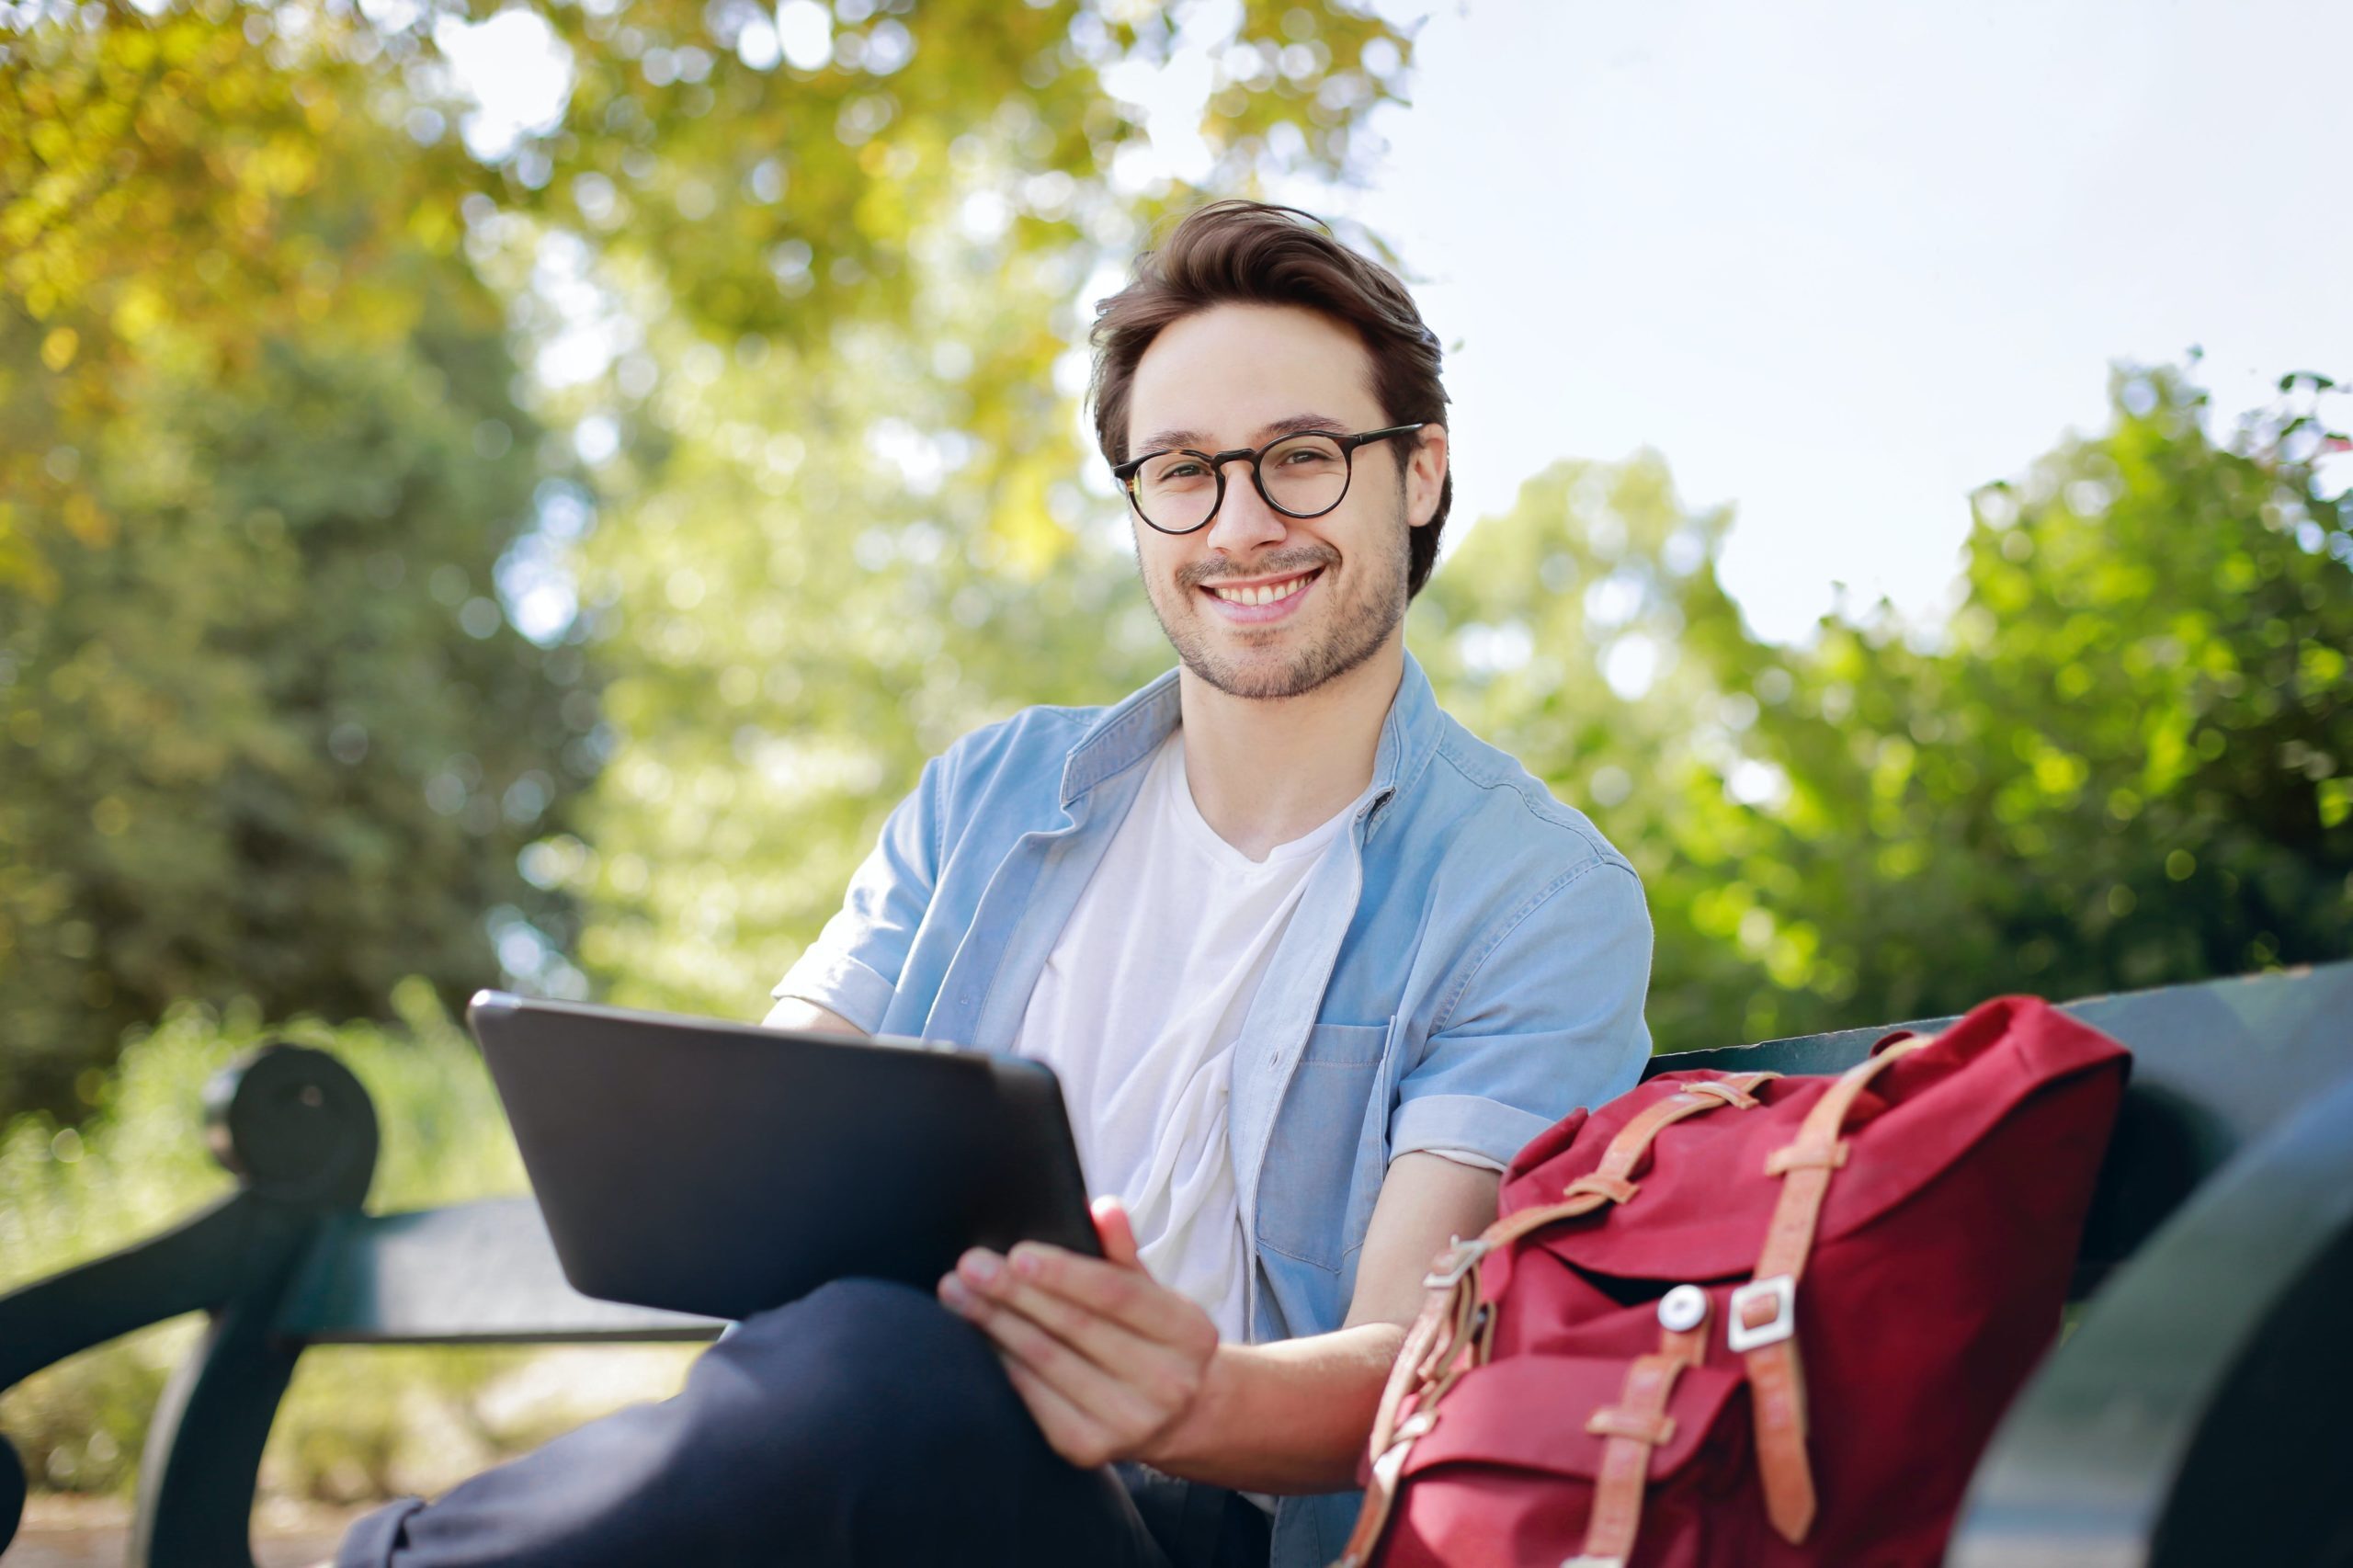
(1158,565)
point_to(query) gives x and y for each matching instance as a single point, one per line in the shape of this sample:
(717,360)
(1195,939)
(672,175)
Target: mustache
(1304,558)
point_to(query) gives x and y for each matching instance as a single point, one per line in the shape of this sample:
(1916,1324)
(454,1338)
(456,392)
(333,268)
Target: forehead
(1226,373)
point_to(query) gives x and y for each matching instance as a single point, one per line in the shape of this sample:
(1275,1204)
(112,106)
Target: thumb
(1118,1236)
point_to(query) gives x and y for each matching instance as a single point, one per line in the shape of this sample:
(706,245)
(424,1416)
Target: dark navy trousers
(864,1424)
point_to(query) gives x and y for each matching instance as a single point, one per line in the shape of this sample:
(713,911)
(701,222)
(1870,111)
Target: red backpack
(1747,1319)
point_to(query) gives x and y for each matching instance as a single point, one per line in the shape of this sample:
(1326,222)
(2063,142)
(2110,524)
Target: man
(1310,960)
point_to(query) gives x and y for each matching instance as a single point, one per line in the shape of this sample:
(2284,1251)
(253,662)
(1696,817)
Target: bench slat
(482,1273)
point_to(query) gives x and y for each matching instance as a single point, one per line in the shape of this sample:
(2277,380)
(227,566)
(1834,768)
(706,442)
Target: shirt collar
(1127,732)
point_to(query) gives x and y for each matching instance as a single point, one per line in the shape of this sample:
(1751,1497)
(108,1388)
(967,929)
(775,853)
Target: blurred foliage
(277,739)
(267,731)
(293,330)
(358,1423)
(2122,760)
(175,198)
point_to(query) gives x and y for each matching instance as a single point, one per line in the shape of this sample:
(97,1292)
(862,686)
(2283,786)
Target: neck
(1263,772)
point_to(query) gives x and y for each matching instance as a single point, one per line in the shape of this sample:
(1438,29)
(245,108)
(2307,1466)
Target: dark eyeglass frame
(1126,473)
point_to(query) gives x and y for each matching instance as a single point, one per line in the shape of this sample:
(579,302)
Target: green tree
(265,728)
(176,192)
(2119,762)
(2122,761)
(278,740)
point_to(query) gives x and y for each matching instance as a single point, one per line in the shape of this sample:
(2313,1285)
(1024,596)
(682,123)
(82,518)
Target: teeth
(1261,592)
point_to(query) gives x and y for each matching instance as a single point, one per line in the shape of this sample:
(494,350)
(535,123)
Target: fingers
(1138,1333)
(1100,1287)
(1069,1431)
(1101,1386)
(1089,1415)
(1117,1234)
(1117,1399)
(1108,1344)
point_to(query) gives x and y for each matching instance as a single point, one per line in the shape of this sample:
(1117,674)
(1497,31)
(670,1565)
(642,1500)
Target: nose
(1243,521)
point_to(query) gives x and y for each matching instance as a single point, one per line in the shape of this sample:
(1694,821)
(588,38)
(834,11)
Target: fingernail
(953,1293)
(1025,1264)
(980,1265)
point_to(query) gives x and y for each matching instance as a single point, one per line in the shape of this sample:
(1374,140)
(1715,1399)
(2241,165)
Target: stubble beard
(1355,627)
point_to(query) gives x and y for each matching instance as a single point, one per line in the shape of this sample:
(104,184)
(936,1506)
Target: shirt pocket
(1313,1161)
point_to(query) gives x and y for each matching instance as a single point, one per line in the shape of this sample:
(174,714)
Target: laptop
(724,1168)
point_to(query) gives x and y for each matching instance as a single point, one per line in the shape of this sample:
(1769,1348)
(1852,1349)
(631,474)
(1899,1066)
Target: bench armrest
(481,1273)
(194,1264)
(2199,1413)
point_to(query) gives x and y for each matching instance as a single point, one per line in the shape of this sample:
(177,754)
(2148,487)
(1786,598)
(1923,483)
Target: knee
(879,1375)
(852,1316)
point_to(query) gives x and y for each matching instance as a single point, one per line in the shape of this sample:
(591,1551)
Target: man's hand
(1107,1361)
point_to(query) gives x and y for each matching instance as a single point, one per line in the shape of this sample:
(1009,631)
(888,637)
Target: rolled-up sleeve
(853,967)
(1547,1017)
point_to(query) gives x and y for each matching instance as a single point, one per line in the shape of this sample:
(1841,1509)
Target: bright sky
(1840,262)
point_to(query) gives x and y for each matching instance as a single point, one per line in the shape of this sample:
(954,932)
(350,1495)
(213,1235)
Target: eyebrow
(1292,425)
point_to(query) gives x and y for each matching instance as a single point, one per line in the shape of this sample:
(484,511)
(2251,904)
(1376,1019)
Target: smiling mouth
(1264,593)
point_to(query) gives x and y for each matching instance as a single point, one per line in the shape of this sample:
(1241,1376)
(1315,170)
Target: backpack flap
(1509,1472)
(1531,1413)
(1692,1218)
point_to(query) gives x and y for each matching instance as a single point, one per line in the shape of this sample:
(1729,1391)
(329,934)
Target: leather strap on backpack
(1637,1424)
(1611,1180)
(1762,1315)
(1456,1328)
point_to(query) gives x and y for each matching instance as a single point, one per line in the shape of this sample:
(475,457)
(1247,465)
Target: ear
(1426,475)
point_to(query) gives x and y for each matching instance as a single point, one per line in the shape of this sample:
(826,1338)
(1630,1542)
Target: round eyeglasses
(1300,476)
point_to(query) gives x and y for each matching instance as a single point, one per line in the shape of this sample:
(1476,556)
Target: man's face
(1236,376)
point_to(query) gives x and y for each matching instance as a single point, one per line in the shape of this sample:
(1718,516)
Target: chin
(1276,677)
(1293,658)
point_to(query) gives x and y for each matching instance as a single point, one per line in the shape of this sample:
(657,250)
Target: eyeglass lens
(1304,476)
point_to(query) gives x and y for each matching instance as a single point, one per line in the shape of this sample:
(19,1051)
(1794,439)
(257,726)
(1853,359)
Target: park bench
(2197,1414)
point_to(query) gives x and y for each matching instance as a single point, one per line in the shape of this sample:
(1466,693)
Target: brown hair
(1238,252)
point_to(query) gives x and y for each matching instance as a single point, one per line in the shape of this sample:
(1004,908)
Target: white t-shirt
(1138,1011)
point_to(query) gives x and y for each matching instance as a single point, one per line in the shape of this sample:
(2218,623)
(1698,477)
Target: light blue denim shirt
(1466,965)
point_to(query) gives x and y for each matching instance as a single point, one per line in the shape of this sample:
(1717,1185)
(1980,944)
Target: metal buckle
(1459,1259)
(1783,1291)
(1582,1561)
